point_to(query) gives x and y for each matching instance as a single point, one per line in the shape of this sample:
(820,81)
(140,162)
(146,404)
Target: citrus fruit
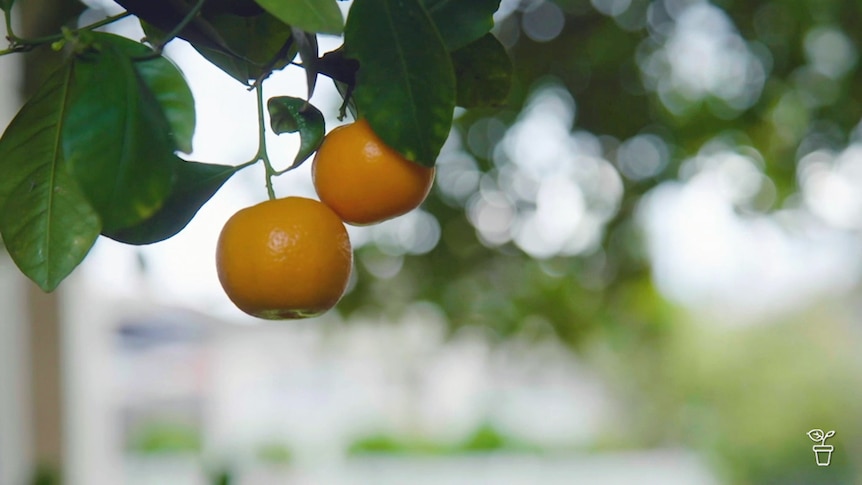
(284,258)
(365,181)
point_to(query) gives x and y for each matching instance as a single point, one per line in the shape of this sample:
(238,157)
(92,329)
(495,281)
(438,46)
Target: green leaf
(342,70)
(348,102)
(460,22)
(167,84)
(263,42)
(196,183)
(116,140)
(174,96)
(308,53)
(166,15)
(484,73)
(289,115)
(319,16)
(405,86)
(45,220)
(6,5)
(245,8)
(338,66)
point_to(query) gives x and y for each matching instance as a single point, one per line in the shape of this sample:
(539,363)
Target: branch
(19,44)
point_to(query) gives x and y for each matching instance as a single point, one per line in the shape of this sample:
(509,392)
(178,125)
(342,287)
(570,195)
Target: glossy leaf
(45,220)
(484,73)
(320,16)
(342,70)
(195,185)
(405,85)
(338,66)
(308,53)
(460,22)
(263,42)
(167,84)
(165,15)
(245,8)
(116,140)
(174,96)
(291,115)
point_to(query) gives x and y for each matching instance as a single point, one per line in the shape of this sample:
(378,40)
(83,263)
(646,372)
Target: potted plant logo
(822,452)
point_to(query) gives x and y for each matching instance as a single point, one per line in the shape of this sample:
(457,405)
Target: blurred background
(645,268)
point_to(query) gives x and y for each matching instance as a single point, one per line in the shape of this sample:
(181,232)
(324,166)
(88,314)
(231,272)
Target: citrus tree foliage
(98,149)
(794,88)
(782,94)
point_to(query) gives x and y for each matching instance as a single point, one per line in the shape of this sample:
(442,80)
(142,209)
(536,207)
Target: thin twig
(19,43)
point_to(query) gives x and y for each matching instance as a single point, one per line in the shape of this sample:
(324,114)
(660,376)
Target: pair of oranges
(291,257)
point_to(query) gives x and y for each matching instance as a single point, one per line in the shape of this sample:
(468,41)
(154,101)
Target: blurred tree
(644,83)
(647,82)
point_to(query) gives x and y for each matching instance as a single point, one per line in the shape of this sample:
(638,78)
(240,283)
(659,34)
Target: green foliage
(46,475)
(261,42)
(462,22)
(405,74)
(484,73)
(320,16)
(182,19)
(101,158)
(486,438)
(377,444)
(166,83)
(292,115)
(174,96)
(195,184)
(745,396)
(249,45)
(116,139)
(275,453)
(94,151)
(47,224)
(308,52)
(165,437)
(224,477)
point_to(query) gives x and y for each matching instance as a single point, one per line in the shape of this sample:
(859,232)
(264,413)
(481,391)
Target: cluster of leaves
(94,150)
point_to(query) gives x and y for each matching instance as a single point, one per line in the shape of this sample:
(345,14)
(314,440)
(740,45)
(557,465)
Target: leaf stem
(7,15)
(248,163)
(10,50)
(261,150)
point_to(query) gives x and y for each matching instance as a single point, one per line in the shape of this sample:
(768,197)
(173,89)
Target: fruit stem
(261,143)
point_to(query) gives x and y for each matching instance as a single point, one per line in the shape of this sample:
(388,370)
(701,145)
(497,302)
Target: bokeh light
(701,56)
(543,21)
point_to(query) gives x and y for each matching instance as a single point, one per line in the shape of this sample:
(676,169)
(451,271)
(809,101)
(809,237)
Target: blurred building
(159,394)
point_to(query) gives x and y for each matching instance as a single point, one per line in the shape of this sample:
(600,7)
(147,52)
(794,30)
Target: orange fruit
(363,180)
(284,258)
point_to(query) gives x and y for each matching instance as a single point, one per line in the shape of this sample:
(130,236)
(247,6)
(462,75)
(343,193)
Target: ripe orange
(284,258)
(363,180)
